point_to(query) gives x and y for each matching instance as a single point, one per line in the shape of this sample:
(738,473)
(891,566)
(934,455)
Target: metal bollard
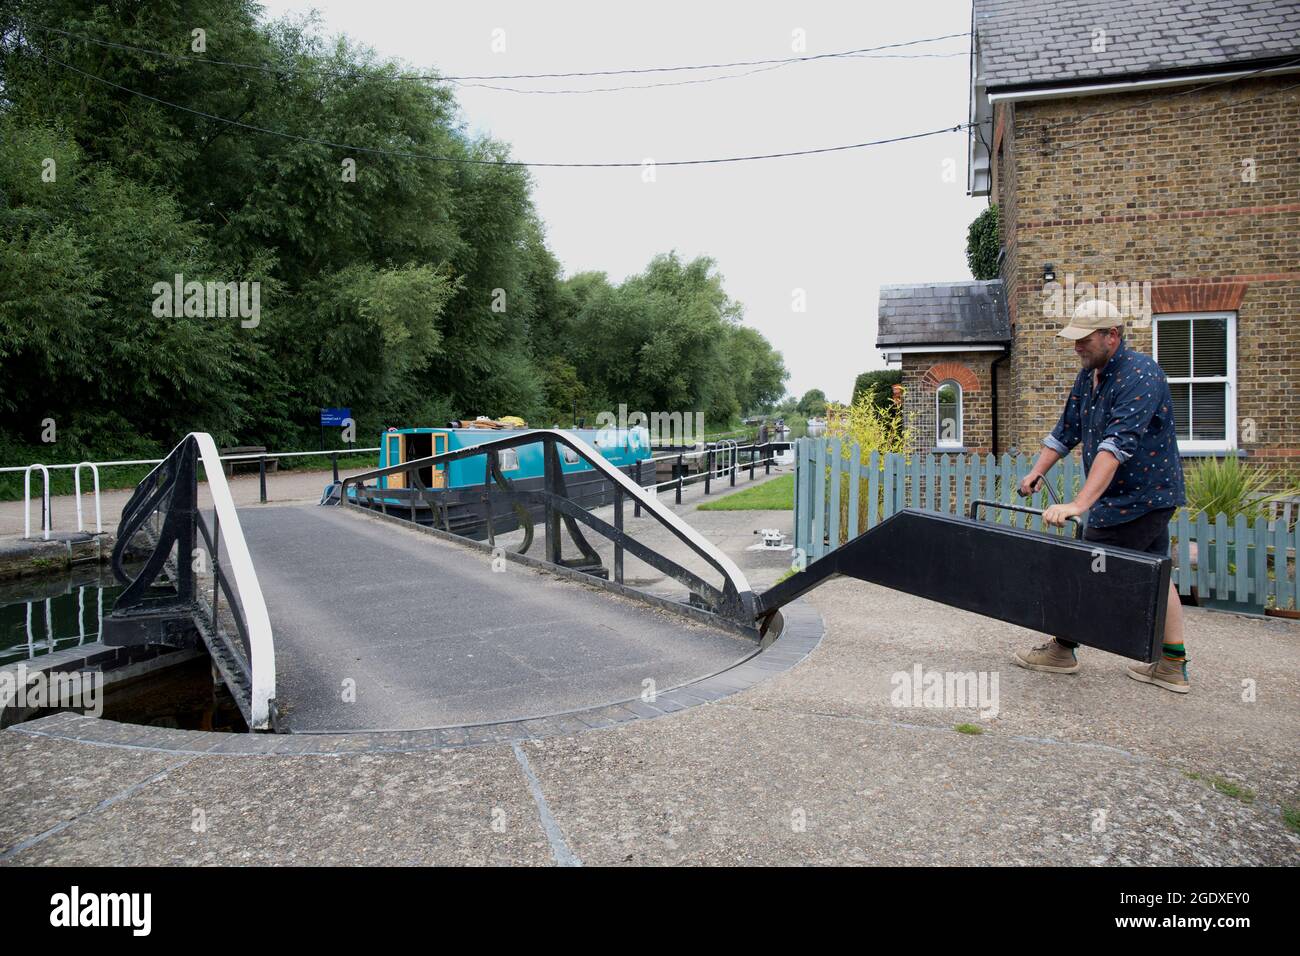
(261,476)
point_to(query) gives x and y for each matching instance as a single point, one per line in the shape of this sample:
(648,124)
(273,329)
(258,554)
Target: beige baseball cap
(1089,316)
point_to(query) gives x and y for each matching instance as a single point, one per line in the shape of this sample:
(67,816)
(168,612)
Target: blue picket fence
(838,495)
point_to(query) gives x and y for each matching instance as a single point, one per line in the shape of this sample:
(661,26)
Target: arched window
(947,415)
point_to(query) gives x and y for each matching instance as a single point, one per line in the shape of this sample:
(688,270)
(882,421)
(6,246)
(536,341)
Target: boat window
(570,456)
(508,459)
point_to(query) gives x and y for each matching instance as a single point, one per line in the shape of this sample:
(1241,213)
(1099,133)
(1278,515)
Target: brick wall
(923,372)
(1133,196)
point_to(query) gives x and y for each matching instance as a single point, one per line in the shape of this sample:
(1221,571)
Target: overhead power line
(405,154)
(326,71)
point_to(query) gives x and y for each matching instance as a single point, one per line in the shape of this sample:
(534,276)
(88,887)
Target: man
(1121,410)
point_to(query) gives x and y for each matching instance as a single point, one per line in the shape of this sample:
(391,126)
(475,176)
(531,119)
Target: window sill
(1212,453)
(949,450)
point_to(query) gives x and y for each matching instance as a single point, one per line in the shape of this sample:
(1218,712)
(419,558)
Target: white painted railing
(261,643)
(46,520)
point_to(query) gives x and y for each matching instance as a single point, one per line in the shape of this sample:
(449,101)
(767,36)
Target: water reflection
(41,615)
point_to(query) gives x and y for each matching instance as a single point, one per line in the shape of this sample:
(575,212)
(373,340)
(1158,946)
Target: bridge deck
(432,636)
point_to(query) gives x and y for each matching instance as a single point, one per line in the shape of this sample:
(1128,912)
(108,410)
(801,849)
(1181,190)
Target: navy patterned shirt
(1131,415)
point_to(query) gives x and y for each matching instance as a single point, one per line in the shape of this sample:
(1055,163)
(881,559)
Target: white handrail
(261,643)
(46,518)
(159,461)
(76,484)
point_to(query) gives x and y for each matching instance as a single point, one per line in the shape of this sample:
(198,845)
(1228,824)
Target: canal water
(41,615)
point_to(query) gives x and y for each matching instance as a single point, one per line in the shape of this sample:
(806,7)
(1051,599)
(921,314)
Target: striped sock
(1174,652)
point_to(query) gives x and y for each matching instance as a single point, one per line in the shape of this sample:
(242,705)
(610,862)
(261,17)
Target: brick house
(1149,149)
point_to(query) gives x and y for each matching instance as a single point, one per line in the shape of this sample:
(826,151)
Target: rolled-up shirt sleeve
(1068,430)
(1136,402)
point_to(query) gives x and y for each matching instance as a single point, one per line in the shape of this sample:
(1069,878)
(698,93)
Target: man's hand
(1058,515)
(1029,483)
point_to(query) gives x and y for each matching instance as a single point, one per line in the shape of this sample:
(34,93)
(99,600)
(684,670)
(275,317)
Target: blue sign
(334,417)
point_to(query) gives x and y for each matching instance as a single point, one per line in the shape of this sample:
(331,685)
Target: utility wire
(267,68)
(711,79)
(403,154)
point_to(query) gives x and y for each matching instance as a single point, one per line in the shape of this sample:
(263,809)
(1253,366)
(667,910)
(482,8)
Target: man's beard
(1092,362)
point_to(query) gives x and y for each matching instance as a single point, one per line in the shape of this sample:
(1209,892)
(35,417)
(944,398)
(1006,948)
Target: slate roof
(943,313)
(1049,42)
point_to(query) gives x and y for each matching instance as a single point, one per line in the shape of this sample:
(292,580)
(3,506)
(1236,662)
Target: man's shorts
(1149,533)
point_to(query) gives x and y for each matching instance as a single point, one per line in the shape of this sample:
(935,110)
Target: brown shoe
(1171,675)
(1051,657)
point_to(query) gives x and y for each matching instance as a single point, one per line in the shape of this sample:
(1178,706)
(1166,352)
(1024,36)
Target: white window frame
(939,440)
(1229,380)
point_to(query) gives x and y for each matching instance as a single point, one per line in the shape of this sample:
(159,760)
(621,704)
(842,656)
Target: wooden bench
(271,463)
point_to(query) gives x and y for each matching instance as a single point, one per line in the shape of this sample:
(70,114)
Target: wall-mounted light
(1049,273)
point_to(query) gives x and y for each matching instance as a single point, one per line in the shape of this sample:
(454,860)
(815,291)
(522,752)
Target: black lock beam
(1109,598)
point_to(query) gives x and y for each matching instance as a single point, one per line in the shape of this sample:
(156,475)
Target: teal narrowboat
(453,498)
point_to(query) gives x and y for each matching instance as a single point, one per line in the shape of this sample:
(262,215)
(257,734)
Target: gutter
(1119,86)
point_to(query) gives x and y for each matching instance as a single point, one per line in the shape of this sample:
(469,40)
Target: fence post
(873,489)
(887,504)
(767,458)
(679,479)
(800,475)
(855,478)
(636,506)
(708,471)
(833,518)
(819,500)
(261,475)
(335,459)
(1184,579)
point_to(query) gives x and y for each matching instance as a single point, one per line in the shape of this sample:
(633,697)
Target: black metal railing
(733,599)
(175,597)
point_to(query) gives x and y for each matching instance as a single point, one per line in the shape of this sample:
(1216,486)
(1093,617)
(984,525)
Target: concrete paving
(816,765)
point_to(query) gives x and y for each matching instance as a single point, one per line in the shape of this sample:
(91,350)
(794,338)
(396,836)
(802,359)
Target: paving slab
(875,635)
(727,784)
(466,807)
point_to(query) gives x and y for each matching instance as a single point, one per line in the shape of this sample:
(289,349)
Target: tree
(983,243)
(813,403)
(879,386)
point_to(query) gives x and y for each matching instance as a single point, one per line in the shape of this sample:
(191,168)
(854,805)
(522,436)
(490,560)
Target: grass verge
(774,495)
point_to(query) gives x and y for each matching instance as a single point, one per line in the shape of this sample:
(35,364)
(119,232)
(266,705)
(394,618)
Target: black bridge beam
(1112,599)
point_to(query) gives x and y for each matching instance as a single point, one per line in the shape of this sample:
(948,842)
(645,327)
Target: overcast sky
(836,226)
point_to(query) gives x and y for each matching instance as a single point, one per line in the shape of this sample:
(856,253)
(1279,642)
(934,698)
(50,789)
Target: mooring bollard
(261,476)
